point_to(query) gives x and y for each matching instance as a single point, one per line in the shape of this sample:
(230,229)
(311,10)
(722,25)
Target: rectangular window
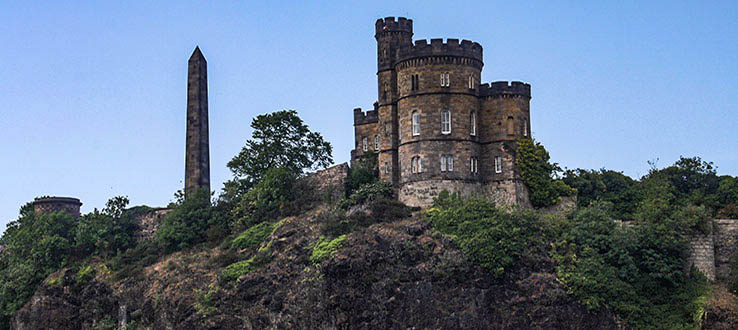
(446,122)
(471,82)
(498,164)
(414,165)
(376,143)
(473,124)
(510,126)
(414,82)
(386,168)
(447,163)
(525,127)
(420,164)
(473,165)
(365,147)
(416,122)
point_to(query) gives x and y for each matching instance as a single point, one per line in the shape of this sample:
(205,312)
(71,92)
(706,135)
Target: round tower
(505,117)
(391,34)
(438,118)
(48,204)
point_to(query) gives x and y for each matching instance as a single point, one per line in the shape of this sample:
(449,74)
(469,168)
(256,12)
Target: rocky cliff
(397,274)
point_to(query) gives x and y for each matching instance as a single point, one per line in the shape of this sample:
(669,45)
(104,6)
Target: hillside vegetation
(272,251)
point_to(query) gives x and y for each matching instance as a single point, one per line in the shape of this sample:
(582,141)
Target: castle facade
(435,126)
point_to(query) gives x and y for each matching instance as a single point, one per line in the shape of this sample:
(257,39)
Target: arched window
(416,122)
(510,126)
(376,143)
(473,123)
(446,122)
(445,79)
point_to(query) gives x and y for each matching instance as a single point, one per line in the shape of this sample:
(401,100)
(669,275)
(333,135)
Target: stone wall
(330,182)
(726,241)
(148,223)
(702,253)
(50,204)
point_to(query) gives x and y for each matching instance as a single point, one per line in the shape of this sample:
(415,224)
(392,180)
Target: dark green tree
(279,140)
(538,173)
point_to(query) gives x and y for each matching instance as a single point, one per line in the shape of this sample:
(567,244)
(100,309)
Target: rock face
(398,274)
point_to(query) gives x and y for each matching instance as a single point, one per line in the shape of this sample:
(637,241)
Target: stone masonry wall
(726,244)
(148,223)
(702,253)
(331,181)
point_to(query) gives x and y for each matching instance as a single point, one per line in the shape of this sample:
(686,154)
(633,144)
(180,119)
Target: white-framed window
(474,165)
(447,163)
(446,122)
(498,164)
(365,145)
(473,123)
(416,164)
(525,127)
(376,143)
(471,82)
(445,79)
(416,122)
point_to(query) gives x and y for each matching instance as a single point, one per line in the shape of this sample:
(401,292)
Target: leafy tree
(189,222)
(269,198)
(364,171)
(492,238)
(538,174)
(105,233)
(37,245)
(279,140)
(605,185)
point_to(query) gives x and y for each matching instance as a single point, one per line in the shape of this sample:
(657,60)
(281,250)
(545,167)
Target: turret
(391,34)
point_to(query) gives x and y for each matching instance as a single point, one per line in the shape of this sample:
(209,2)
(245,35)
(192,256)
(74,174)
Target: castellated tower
(197,158)
(435,126)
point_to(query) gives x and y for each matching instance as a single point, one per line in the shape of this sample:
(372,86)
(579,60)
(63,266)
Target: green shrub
(188,223)
(238,269)
(538,173)
(368,192)
(489,237)
(325,247)
(269,198)
(363,172)
(253,236)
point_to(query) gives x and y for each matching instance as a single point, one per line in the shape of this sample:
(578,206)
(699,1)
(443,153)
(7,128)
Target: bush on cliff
(189,222)
(638,272)
(490,237)
(538,174)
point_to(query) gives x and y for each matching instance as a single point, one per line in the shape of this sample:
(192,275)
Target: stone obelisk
(197,158)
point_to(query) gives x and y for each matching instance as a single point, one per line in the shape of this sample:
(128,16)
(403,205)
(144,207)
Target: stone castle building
(435,126)
(49,204)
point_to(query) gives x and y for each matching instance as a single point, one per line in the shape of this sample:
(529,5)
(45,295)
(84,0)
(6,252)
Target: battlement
(388,24)
(500,88)
(369,117)
(452,47)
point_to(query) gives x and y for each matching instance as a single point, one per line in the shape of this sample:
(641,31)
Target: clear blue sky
(94,93)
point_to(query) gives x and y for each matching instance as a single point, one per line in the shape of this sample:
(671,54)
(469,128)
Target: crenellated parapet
(368,117)
(389,24)
(505,89)
(438,48)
